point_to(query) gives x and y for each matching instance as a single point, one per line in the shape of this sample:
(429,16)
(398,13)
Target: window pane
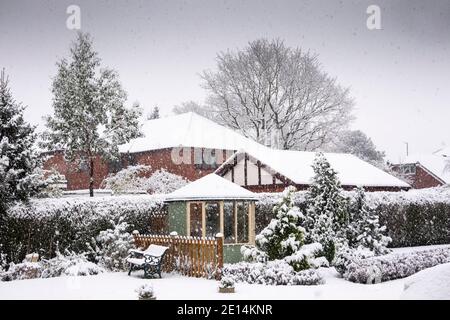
(228,222)
(196,219)
(212,219)
(242,222)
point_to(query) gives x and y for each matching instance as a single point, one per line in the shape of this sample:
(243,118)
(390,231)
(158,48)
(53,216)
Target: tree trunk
(91,177)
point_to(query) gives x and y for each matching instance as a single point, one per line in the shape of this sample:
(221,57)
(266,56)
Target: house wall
(421,179)
(157,159)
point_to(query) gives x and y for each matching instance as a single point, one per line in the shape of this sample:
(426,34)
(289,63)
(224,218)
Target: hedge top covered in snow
(297,167)
(211,187)
(187,130)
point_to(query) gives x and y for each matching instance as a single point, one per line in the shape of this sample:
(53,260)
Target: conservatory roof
(297,167)
(438,164)
(187,130)
(211,187)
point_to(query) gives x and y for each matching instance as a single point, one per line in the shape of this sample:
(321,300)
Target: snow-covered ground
(120,286)
(432,283)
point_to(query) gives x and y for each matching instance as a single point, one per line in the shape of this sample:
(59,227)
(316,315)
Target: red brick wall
(422,179)
(76,178)
(156,159)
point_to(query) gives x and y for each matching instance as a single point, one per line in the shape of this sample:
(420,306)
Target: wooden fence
(190,256)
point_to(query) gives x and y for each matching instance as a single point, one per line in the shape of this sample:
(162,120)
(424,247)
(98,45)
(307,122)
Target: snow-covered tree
(284,235)
(154,114)
(90,118)
(53,184)
(277,95)
(19,161)
(364,228)
(359,144)
(192,106)
(326,213)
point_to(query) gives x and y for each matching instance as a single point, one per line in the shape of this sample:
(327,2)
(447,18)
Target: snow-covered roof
(187,130)
(297,167)
(211,187)
(436,163)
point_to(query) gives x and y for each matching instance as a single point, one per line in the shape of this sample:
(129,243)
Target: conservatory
(212,205)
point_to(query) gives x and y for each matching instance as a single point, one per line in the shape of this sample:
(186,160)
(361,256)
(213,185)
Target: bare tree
(269,90)
(192,106)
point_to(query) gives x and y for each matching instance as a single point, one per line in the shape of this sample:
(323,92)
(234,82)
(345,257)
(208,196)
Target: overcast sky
(399,76)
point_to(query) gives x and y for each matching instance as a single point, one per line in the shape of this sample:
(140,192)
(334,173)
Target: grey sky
(399,76)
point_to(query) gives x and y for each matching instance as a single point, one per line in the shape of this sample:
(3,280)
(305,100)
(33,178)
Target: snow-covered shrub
(226,282)
(111,246)
(22,271)
(146,292)
(71,223)
(129,179)
(163,182)
(284,235)
(70,264)
(3,261)
(133,179)
(253,254)
(394,266)
(53,184)
(326,212)
(277,272)
(347,255)
(308,256)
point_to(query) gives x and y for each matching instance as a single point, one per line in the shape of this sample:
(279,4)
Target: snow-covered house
(270,170)
(187,145)
(425,170)
(212,205)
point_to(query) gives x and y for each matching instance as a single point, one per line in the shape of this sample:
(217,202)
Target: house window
(212,217)
(408,169)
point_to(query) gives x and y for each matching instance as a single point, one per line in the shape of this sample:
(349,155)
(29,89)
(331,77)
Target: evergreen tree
(326,211)
(19,162)
(90,119)
(154,114)
(284,235)
(364,227)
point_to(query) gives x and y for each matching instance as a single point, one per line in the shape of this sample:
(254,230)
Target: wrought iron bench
(149,260)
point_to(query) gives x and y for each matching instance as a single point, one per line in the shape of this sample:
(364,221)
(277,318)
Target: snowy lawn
(432,283)
(120,286)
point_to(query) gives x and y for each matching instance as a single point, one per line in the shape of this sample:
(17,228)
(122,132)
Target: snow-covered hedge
(44,225)
(394,266)
(413,218)
(277,272)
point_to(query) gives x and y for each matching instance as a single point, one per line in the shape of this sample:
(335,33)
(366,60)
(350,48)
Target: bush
(110,248)
(70,264)
(226,282)
(145,292)
(394,266)
(276,272)
(44,225)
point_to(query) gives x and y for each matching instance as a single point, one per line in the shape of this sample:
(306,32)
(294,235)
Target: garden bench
(149,260)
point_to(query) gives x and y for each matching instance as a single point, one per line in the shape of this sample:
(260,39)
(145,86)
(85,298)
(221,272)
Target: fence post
(219,238)
(135,234)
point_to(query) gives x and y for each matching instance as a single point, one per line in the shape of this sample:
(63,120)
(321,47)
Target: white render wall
(252,174)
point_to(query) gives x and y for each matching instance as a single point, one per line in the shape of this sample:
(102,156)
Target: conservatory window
(242,222)
(212,217)
(195,219)
(228,222)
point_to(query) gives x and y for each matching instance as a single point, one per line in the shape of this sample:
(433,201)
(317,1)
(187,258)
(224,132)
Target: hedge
(70,223)
(413,218)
